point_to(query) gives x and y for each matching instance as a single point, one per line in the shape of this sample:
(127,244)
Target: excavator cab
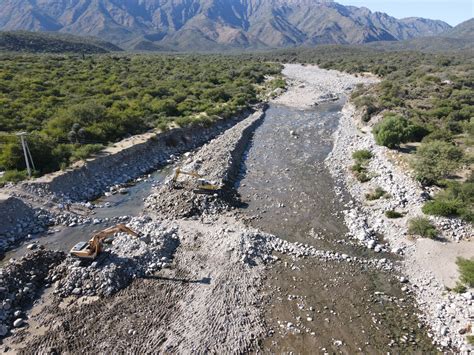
(92,248)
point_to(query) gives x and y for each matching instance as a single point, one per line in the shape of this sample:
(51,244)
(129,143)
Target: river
(318,306)
(313,306)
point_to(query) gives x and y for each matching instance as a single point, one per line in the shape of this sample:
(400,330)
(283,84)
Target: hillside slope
(458,38)
(213,24)
(22,41)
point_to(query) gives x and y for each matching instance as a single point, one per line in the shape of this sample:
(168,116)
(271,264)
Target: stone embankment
(32,207)
(218,161)
(448,314)
(20,284)
(97,175)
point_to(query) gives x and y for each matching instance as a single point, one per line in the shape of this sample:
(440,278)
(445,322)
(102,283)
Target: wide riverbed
(318,306)
(314,306)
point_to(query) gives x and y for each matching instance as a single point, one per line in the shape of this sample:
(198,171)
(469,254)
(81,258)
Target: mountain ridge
(51,42)
(214,24)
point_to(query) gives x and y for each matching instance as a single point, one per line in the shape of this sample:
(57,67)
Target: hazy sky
(450,11)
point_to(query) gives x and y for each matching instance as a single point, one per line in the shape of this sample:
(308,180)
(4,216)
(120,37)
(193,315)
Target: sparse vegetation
(422,227)
(376,194)
(459,288)
(13,175)
(466,269)
(393,214)
(362,157)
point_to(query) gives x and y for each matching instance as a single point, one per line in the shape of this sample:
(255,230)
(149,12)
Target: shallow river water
(318,306)
(129,204)
(333,307)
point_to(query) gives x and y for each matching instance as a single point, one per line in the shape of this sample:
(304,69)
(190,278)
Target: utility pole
(26,152)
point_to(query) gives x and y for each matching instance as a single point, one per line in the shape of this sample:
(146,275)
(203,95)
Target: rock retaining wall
(219,161)
(94,177)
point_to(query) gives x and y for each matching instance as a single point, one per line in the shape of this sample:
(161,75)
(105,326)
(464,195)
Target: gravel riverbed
(448,314)
(194,281)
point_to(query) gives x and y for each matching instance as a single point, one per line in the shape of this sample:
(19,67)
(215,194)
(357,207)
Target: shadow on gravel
(204,280)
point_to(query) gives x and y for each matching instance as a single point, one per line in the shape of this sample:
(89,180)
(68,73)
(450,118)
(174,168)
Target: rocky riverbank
(219,162)
(61,198)
(194,279)
(448,314)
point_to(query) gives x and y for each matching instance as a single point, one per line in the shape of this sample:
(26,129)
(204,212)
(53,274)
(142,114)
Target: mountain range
(213,24)
(458,38)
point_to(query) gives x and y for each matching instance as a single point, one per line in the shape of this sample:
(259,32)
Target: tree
(435,160)
(394,130)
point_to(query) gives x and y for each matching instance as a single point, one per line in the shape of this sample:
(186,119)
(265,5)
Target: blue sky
(450,11)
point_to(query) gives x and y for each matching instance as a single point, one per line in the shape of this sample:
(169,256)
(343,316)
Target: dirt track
(208,300)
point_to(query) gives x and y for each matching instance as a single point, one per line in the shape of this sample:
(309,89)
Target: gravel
(126,259)
(20,284)
(366,222)
(218,161)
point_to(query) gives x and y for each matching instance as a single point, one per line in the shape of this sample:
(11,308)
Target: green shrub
(456,200)
(459,288)
(14,175)
(422,226)
(162,126)
(358,168)
(439,135)
(436,160)
(376,194)
(470,339)
(442,208)
(363,177)
(466,269)
(85,151)
(393,214)
(362,155)
(394,130)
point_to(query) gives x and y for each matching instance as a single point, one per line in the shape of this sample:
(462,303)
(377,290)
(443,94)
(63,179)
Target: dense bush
(436,160)
(422,226)
(466,269)
(456,200)
(394,130)
(442,208)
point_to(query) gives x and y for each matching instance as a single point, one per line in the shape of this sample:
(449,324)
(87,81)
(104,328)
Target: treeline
(48,42)
(73,105)
(427,98)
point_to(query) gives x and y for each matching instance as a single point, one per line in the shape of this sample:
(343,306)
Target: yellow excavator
(202,185)
(92,248)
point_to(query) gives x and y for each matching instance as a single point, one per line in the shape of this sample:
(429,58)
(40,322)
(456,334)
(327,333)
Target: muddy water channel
(107,209)
(317,306)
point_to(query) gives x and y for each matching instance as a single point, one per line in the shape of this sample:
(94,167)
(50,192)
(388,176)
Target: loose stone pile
(41,197)
(20,282)
(218,161)
(126,259)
